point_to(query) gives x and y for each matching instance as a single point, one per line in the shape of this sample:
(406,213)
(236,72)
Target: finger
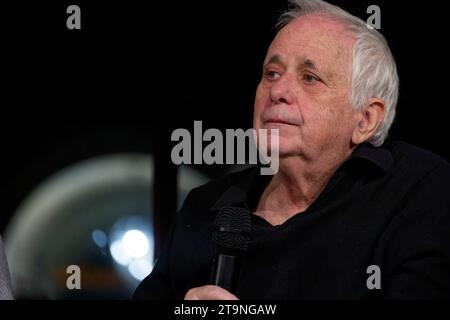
(209,293)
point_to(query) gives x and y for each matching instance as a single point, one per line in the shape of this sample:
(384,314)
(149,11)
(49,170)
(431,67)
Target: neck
(296,186)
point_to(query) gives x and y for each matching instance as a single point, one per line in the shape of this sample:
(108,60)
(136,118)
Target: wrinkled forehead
(317,37)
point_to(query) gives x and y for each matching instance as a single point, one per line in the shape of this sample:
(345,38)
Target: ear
(369,120)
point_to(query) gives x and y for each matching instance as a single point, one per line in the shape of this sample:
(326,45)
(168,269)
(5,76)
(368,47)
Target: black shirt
(387,207)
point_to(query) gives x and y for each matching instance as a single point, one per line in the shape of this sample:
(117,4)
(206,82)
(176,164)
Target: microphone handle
(226,272)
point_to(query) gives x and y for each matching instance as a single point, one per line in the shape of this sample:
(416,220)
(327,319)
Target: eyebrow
(304,62)
(309,64)
(276,59)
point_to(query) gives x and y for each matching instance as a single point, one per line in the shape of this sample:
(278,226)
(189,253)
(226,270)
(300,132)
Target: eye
(272,75)
(309,78)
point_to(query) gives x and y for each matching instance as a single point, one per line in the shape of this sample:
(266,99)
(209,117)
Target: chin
(285,147)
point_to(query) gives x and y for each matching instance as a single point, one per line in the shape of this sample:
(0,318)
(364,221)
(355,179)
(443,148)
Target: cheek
(260,102)
(332,124)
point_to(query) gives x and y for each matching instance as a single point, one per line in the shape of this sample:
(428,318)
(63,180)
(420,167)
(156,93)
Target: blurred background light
(100,238)
(135,243)
(119,254)
(97,214)
(140,268)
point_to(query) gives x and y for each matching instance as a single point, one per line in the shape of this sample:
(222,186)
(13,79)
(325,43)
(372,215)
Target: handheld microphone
(231,235)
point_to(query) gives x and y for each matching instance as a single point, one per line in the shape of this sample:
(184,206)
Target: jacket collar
(376,158)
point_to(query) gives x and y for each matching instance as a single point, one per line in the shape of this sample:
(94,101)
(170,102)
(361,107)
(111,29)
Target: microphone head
(232,229)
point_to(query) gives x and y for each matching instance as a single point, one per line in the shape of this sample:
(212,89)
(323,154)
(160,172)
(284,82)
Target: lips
(278,121)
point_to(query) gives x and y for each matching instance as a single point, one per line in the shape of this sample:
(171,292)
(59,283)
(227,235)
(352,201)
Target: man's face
(305,88)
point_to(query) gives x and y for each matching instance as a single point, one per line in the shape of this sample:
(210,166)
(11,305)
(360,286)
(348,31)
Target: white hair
(374,69)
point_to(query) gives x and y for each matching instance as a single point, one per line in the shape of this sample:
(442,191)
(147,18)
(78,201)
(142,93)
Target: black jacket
(387,207)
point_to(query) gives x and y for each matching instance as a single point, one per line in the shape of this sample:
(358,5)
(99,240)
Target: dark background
(137,70)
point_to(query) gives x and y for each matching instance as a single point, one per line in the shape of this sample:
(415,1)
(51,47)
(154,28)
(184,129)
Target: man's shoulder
(413,158)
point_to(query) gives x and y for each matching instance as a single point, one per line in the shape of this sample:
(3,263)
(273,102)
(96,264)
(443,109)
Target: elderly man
(346,203)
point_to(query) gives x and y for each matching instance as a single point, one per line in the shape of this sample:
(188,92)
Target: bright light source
(140,268)
(135,243)
(119,253)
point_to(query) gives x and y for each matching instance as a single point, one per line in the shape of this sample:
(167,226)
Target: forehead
(316,36)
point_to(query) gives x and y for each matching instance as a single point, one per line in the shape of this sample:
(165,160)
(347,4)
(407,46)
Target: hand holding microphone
(231,235)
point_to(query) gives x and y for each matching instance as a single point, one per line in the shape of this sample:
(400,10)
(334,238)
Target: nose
(281,91)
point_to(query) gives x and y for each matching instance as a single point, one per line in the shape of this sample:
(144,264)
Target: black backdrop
(137,70)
